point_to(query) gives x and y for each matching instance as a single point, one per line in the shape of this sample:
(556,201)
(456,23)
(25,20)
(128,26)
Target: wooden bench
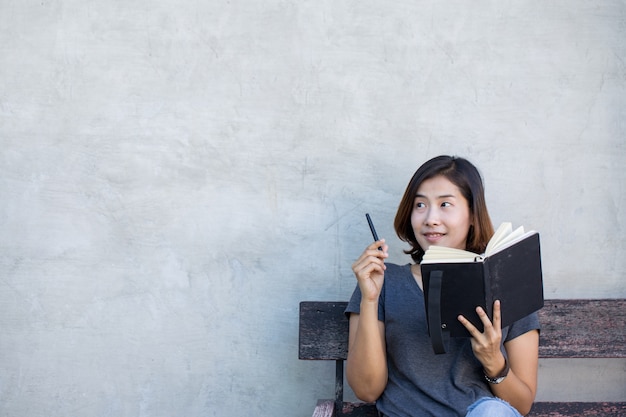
(570,329)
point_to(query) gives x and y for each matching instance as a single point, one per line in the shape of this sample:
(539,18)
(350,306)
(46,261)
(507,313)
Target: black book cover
(512,275)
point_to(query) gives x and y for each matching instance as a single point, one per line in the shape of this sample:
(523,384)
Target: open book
(457,281)
(503,238)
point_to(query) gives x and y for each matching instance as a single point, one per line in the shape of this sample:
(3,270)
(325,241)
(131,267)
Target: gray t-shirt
(421,383)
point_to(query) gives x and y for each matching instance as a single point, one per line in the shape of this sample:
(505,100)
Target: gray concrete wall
(175,176)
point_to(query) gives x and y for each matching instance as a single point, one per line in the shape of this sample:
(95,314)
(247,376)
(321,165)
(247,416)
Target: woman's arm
(366,367)
(520,385)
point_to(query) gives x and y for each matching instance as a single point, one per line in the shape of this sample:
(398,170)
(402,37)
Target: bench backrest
(569,329)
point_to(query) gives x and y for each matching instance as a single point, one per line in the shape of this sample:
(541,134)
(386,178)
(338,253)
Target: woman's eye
(419,205)
(446,204)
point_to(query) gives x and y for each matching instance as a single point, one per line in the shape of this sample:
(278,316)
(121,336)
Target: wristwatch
(499,378)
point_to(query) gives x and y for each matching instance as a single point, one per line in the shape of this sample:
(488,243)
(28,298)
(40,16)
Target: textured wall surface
(175,176)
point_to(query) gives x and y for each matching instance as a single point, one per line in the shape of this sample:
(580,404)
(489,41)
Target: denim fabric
(488,407)
(492,407)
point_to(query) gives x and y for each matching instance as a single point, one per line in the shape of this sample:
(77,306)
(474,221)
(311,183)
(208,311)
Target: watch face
(496,380)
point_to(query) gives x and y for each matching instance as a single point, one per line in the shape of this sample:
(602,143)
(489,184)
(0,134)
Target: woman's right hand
(369,270)
(366,365)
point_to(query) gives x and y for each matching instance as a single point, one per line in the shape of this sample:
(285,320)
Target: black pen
(369,221)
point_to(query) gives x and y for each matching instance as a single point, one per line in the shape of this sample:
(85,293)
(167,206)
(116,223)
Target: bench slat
(570,329)
(325,408)
(576,409)
(543,409)
(583,329)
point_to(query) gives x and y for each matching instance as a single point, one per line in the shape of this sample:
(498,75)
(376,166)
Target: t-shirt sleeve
(354,305)
(518,328)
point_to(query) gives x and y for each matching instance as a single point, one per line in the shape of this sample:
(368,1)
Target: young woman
(391,359)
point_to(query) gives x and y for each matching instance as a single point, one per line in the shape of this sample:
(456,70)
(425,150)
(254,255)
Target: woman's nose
(432,217)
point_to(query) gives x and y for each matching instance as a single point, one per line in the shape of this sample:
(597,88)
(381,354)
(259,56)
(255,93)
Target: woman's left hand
(486,345)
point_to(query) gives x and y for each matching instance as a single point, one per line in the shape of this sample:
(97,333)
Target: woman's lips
(433,238)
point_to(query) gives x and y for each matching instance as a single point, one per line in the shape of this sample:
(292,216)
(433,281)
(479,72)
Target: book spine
(489,295)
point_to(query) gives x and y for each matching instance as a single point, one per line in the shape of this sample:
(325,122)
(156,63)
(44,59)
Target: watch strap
(499,378)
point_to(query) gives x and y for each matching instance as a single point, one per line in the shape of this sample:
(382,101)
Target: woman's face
(441,215)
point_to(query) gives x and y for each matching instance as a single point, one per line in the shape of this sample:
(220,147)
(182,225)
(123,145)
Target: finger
(368,253)
(371,258)
(497,315)
(483,316)
(379,246)
(372,250)
(374,264)
(385,247)
(374,256)
(368,266)
(468,325)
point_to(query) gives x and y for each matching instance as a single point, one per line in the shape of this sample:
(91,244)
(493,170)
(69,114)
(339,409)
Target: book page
(509,238)
(503,238)
(441,253)
(503,230)
(516,236)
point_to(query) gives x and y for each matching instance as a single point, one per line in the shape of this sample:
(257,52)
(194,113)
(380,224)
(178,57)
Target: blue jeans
(492,407)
